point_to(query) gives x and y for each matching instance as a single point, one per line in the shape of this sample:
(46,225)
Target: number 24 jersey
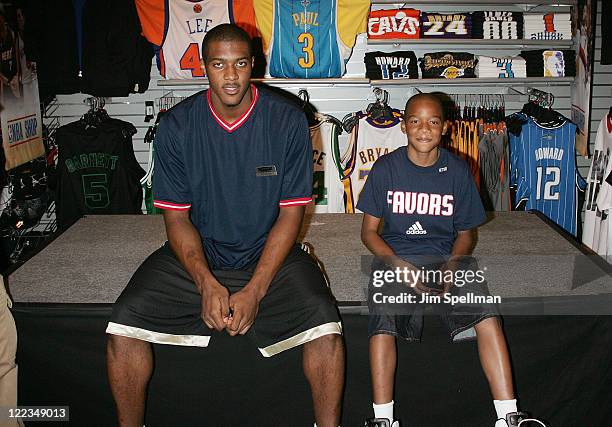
(309,38)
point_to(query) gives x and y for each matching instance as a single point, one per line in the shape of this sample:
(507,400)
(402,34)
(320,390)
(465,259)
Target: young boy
(431,209)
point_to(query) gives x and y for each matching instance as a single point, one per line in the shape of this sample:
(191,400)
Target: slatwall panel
(339,100)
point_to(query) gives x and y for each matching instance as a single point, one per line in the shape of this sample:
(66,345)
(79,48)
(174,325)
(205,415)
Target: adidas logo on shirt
(416,228)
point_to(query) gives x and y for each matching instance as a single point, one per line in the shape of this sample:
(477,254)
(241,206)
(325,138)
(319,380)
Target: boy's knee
(490,324)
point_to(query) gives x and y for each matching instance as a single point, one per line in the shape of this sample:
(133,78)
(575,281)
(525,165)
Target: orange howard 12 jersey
(369,140)
(178,27)
(394,24)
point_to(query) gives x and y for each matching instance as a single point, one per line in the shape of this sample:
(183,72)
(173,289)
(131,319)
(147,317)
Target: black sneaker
(381,422)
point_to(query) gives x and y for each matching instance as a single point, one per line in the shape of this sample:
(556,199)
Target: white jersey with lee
(596,232)
(188,22)
(327,189)
(369,140)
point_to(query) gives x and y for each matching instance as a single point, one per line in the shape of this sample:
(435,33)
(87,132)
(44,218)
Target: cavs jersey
(326,186)
(394,24)
(309,38)
(369,140)
(546,176)
(178,27)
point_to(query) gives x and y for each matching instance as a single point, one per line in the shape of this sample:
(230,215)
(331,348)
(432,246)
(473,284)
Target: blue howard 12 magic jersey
(544,171)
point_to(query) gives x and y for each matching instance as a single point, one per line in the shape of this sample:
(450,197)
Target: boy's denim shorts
(398,309)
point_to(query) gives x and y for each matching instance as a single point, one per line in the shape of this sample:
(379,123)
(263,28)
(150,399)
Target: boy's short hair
(428,96)
(225,32)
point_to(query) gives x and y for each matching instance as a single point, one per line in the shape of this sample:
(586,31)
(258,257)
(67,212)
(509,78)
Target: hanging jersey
(394,24)
(326,186)
(547,179)
(178,27)
(368,141)
(595,229)
(98,172)
(494,169)
(446,25)
(309,38)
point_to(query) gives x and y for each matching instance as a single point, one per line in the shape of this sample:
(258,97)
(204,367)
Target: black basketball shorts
(162,305)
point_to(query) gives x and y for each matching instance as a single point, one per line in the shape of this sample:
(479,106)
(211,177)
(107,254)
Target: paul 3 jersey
(309,38)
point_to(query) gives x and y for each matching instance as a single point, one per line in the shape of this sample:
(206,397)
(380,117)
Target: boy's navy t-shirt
(423,207)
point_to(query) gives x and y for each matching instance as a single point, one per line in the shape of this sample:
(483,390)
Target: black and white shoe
(381,422)
(520,419)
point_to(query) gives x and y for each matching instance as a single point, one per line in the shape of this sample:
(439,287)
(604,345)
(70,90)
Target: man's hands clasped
(235,313)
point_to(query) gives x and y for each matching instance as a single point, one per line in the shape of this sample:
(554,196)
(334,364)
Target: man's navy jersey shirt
(233,177)
(423,207)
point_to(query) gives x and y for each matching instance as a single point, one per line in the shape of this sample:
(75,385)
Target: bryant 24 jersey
(545,172)
(309,38)
(368,141)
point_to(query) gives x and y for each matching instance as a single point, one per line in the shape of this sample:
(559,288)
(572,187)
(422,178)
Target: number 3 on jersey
(308,44)
(191,60)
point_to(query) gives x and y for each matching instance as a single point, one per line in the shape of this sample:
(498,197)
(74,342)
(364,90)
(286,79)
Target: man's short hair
(226,33)
(428,96)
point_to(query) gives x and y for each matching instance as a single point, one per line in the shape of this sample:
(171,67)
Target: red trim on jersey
(609,123)
(170,206)
(162,63)
(295,202)
(230,127)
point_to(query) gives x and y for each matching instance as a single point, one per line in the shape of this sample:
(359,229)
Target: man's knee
(118,346)
(326,344)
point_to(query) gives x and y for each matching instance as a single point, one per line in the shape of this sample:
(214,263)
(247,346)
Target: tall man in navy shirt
(233,173)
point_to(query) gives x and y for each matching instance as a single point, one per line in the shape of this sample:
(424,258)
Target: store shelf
(349,81)
(521,82)
(475,43)
(549,81)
